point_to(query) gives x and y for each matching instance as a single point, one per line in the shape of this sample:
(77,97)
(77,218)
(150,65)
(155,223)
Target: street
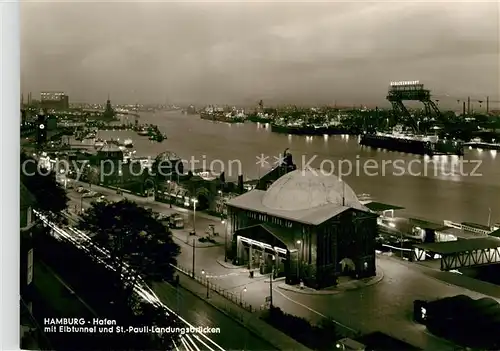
(232,335)
(390,300)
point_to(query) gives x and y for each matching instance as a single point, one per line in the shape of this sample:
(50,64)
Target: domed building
(307,226)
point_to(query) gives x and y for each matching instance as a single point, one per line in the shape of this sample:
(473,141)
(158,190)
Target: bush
(317,337)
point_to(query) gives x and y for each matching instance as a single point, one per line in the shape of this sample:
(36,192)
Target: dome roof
(306,189)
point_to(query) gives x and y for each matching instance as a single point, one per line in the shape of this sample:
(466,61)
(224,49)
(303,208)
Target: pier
(482,145)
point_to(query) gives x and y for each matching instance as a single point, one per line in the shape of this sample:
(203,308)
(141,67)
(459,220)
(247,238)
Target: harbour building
(306,226)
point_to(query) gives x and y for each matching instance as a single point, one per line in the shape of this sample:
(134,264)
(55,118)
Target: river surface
(437,188)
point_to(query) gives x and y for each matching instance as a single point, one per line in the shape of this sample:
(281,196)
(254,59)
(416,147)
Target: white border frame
(9,176)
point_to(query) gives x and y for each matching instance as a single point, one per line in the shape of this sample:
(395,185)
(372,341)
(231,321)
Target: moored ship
(420,145)
(312,129)
(99,143)
(128,143)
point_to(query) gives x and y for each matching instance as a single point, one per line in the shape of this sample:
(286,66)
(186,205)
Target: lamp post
(225,239)
(241,294)
(208,283)
(299,253)
(194,256)
(120,173)
(271,281)
(81,203)
(194,201)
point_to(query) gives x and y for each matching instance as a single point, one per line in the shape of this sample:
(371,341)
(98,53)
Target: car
(80,189)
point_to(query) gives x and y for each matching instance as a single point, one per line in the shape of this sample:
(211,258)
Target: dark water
(445,191)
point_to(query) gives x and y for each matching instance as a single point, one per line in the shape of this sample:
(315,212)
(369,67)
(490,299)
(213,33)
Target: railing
(232,297)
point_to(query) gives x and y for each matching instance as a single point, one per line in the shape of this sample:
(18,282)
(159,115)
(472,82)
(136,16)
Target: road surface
(232,335)
(386,306)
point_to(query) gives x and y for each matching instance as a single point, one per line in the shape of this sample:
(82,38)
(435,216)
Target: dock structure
(461,253)
(411,91)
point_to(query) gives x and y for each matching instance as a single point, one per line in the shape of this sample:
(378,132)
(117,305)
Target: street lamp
(299,253)
(225,239)
(194,201)
(208,283)
(241,294)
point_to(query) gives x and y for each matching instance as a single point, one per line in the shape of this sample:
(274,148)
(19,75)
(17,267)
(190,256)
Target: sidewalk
(450,278)
(247,319)
(202,220)
(148,201)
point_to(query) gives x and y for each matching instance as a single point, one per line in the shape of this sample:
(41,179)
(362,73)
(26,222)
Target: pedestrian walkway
(227,264)
(451,278)
(250,320)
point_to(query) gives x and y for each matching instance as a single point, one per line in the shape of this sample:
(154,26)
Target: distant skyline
(239,53)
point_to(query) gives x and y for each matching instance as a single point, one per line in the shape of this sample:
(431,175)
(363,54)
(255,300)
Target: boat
(478,143)
(128,143)
(259,118)
(412,144)
(218,116)
(158,137)
(143,132)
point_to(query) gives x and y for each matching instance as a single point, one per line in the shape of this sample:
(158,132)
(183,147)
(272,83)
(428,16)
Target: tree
(50,197)
(133,236)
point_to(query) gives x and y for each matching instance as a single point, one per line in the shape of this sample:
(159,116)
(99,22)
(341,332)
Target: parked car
(162,217)
(176,221)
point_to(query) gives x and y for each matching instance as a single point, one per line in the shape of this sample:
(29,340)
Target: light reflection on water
(445,191)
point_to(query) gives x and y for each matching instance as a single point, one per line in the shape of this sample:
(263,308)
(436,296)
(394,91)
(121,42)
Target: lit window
(423,312)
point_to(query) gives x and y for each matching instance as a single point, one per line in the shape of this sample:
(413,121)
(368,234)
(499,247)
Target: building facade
(306,226)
